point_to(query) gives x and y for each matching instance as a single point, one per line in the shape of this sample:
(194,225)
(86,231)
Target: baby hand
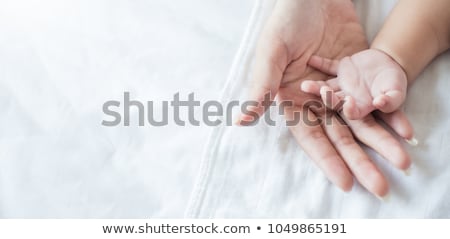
(366,81)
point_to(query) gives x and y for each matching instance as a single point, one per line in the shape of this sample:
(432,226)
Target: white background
(61,60)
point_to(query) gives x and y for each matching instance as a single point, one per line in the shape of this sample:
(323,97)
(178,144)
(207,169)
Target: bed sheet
(261,172)
(60,61)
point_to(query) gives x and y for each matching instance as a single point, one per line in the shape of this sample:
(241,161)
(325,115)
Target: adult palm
(296,30)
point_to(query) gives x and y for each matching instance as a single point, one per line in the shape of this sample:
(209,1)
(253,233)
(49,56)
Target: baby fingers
(314,87)
(389,101)
(331,99)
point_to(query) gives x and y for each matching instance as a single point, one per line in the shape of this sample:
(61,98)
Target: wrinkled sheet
(60,60)
(260,171)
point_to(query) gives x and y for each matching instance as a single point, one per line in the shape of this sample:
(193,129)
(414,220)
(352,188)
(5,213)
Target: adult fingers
(324,64)
(354,156)
(398,121)
(372,134)
(311,137)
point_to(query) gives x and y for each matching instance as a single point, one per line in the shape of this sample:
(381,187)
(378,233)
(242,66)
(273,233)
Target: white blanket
(261,172)
(60,60)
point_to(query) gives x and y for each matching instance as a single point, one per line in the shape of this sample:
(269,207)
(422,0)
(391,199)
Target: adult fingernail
(413,141)
(237,121)
(407,172)
(384,198)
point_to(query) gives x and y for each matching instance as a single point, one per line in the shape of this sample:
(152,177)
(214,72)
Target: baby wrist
(395,57)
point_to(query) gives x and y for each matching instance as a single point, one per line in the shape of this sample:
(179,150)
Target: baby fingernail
(413,141)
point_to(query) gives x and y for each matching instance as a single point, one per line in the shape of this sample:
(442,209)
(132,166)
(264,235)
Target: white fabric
(60,60)
(261,172)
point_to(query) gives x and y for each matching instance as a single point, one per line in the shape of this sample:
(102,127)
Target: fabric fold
(261,172)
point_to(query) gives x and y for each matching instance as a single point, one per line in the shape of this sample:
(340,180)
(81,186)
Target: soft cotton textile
(60,60)
(260,171)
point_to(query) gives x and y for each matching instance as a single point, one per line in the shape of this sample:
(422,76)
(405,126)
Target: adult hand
(297,30)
